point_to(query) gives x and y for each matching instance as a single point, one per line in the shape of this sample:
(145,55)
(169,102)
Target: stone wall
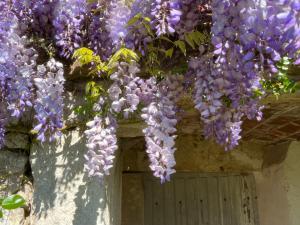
(292,171)
(14,177)
(197,155)
(278,187)
(63,194)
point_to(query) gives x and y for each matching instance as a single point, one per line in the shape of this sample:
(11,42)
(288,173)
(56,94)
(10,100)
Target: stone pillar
(278,186)
(292,174)
(63,194)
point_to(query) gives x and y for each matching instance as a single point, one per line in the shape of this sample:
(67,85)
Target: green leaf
(1,214)
(198,37)
(147,19)
(148,28)
(286,62)
(257,93)
(169,52)
(284,67)
(134,19)
(93,90)
(91,1)
(13,202)
(1,200)
(85,56)
(89,86)
(123,53)
(83,53)
(79,110)
(189,39)
(34,132)
(180,69)
(181,46)
(166,39)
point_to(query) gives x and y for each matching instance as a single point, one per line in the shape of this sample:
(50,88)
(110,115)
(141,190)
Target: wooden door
(201,199)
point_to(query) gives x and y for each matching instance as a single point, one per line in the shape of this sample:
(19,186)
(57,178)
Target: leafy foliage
(85,56)
(281,84)
(11,202)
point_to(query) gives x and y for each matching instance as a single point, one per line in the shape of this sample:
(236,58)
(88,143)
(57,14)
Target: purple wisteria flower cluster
(207,89)
(49,103)
(97,34)
(123,93)
(102,145)
(20,75)
(160,117)
(194,13)
(240,73)
(42,16)
(3,122)
(249,38)
(166,14)
(23,11)
(280,21)
(123,97)
(68,24)
(137,35)
(17,64)
(116,24)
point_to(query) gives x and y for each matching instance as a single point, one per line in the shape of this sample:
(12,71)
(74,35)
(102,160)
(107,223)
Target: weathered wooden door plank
(225,204)
(181,216)
(235,199)
(202,187)
(213,201)
(169,203)
(158,203)
(199,199)
(192,201)
(148,205)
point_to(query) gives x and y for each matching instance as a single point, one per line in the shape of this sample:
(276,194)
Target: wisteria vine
(220,52)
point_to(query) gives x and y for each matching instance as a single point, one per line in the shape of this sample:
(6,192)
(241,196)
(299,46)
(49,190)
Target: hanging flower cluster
(17,65)
(166,14)
(49,101)
(102,144)
(68,24)
(137,36)
(194,13)
(97,33)
(160,117)
(123,92)
(245,52)
(117,22)
(3,122)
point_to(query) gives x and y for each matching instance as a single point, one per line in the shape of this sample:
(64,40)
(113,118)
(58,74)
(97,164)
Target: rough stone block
(63,194)
(12,167)
(15,140)
(12,162)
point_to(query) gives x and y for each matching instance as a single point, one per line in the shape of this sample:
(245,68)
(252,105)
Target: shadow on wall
(43,166)
(63,194)
(88,200)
